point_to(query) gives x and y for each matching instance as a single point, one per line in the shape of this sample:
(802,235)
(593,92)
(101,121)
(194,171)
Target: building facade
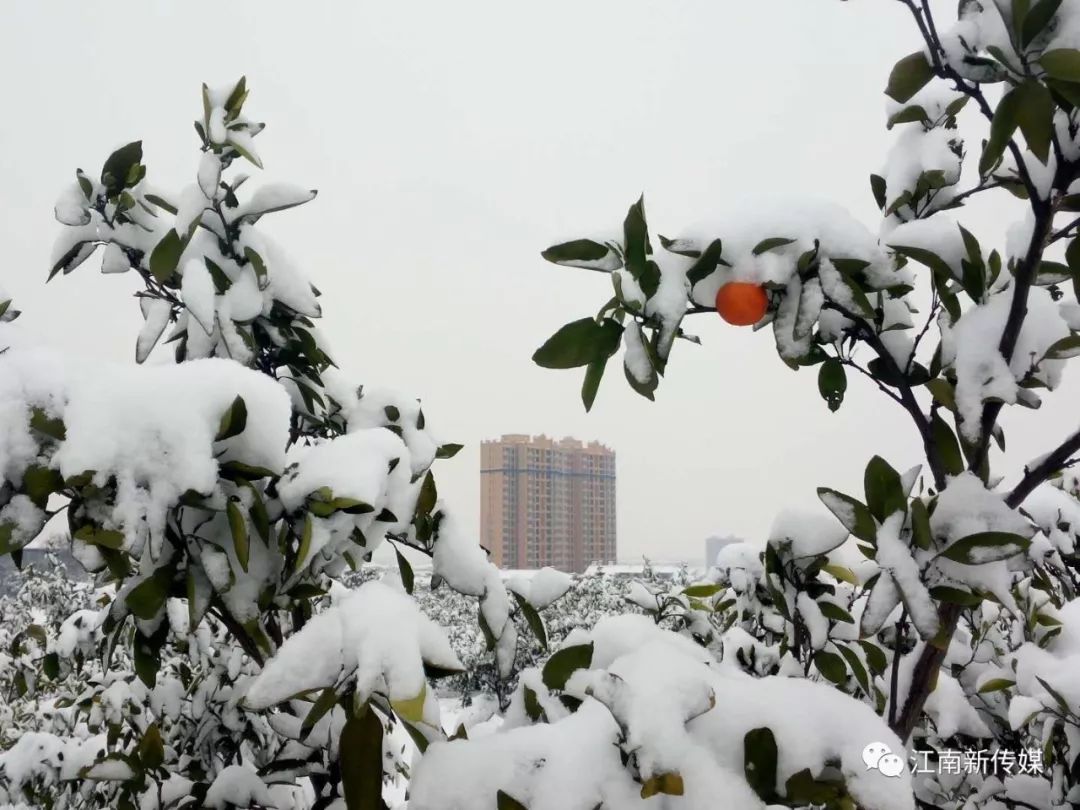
(547,502)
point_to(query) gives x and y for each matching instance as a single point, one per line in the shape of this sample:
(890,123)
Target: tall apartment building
(547,502)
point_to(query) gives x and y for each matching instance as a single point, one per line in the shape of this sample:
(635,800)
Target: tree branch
(1054,461)
(907,397)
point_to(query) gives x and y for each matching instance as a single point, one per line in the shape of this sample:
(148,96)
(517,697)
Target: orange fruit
(742,303)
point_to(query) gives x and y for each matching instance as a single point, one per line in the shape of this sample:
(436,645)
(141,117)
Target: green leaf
(707,262)
(943,392)
(947,446)
(759,762)
(53,427)
(152,748)
(1005,121)
(1037,19)
(580,343)
(429,495)
(165,256)
(361,755)
(305,543)
(105,538)
(985,547)
(258,266)
(636,239)
(831,666)
(703,591)
(146,654)
(682,247)
(411,709)
(802,789)
(407,577)
(147,598)
(878,187)
(832,383)
(324,703)
(532,618)
(956,596)
(875,656)
(926,257)
(1035,116)
(857,668)
(40,482)
(1062,63)
(119,165)
(236,97)
(765,245)
(1058,699)
(238,529)
(594,373)
(564,663)
(233,421)
(908,77)
(504,801)
(841,573)
(884,490)
(831,610)
(583,253)
(853,514)
(908,115)
(448,450)
(920,525)
(1065,348)
(669,783)
(996,685)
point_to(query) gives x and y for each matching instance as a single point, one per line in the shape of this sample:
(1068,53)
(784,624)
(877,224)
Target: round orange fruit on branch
(742,303)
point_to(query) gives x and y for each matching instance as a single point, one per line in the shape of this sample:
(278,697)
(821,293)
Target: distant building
(547,502)
(714,544)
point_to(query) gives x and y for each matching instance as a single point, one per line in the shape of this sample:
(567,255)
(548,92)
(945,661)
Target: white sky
(451,142)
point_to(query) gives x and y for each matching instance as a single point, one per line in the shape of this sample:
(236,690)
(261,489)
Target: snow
(939,234)
(237,786)
(23,518)
(114,260)
(678,714)
(810,534)
(894,557)
(352,466)
(636,358)
(376,637)
(915,152)
(197,291)
(271,197)
(542,588)
(966,507)
(981,371)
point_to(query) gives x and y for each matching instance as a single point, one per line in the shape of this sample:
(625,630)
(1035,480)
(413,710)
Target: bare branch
(1034,475)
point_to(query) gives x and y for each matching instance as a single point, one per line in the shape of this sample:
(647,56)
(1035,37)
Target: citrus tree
(219,496)
(957,630)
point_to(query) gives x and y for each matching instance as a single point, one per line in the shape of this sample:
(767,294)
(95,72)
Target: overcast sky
(450,143)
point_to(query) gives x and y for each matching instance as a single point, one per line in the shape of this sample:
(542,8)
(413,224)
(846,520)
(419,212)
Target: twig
(907,397)
(1057,459)
(894,678)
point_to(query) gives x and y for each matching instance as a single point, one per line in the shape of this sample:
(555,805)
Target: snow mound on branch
(971,347)
(377,636)
(238,786)
(743,228)
(810,534)
(542,588)
(153,428)
(352,466)
(655,693)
